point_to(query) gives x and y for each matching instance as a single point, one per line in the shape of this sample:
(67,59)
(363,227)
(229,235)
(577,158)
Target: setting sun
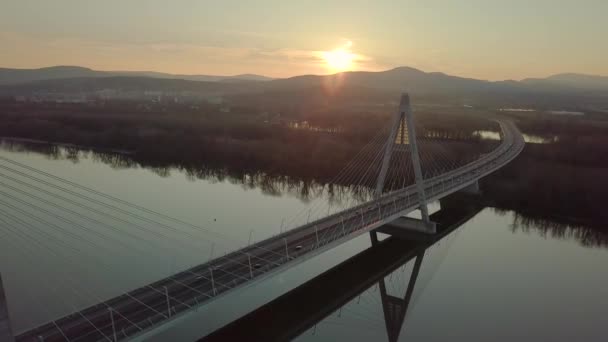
(340,59)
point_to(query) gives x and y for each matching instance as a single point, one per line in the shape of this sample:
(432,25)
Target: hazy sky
(490,39)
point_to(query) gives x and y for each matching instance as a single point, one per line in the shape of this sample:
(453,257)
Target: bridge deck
(143,310)
(304,306)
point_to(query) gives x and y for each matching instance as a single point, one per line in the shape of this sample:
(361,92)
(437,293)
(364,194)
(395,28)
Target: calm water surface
(486,281)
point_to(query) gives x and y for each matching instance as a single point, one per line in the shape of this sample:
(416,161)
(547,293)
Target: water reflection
(306,190)
(556,228)
(274,185)
(395,308)
(528,138)
(387,272)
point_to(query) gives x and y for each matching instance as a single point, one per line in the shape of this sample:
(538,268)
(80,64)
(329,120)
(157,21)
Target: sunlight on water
(529,138)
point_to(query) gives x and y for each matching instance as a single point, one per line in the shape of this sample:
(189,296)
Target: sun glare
(340,59)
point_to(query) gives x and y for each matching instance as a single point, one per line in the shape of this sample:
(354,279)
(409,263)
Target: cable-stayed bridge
(305,306)
(392,160)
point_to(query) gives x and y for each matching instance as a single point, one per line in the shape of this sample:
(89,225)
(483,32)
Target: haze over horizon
(479,39)
(251,75)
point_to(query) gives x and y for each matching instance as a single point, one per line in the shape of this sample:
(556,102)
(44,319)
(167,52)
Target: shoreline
(61,144)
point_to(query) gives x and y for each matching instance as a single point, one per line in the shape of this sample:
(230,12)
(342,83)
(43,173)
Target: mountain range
(567,88)
(19,76)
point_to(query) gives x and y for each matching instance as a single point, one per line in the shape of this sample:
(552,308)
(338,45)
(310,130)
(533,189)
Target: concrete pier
(6,333)
(405,226)
(472,189)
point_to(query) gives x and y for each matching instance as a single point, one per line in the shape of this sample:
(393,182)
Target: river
(491,279)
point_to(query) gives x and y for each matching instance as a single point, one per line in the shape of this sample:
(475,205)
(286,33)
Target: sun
(340,59)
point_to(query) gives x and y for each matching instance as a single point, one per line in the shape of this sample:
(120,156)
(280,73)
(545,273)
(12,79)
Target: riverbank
(4,139)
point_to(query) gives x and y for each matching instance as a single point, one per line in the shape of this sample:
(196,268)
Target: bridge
(305,306)
(146,310)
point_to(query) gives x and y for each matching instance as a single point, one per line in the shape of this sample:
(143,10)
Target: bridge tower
(403,123)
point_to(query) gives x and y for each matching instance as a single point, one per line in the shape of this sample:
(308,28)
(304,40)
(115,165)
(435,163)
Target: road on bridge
(144,309)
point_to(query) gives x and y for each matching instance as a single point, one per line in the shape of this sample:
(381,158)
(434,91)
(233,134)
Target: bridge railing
(344,223)
(337,226)
(341,225)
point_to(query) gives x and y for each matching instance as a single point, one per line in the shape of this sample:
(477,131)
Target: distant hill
(570,80)
(398,79)
(18,76)
(15,76)
(429,87)
(121,83)
(558,91)
(417,81)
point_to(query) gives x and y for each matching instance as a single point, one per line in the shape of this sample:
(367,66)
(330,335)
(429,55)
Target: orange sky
(486,39)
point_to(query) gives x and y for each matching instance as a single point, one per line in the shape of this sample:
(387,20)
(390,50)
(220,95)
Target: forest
(249,140)
(565,178)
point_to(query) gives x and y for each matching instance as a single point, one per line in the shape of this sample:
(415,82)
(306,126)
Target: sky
(486,39)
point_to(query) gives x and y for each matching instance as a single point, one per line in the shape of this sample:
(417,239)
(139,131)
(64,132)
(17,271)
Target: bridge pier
(6,333)
(373,235)
(472,189)
(414,229)
(460,200)
(406,227)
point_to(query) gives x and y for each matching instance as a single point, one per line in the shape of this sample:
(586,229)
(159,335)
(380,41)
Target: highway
(305,306)
(142,310)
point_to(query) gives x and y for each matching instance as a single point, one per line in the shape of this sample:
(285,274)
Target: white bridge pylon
(403,123)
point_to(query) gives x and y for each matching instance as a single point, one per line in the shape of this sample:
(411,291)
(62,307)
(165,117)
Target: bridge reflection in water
(302,308)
